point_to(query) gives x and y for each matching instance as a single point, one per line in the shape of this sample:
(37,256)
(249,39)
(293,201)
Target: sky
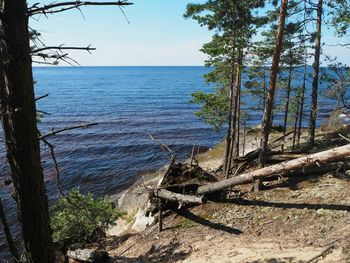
(157,34)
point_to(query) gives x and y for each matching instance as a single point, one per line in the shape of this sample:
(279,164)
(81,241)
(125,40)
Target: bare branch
(162,145)
(55,132)
(44,63)
(126,18)
(339,45)
(43,112)
(41,97)
(61,47)
(58,175)
(64,6)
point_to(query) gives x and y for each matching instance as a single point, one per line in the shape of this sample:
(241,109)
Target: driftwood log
(281,168)
(171,196)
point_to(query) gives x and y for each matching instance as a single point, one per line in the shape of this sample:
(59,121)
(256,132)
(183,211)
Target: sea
(128,103)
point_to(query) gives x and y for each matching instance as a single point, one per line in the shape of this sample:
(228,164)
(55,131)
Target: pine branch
(64,6)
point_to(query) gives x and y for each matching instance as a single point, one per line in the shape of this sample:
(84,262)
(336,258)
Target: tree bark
(266,123)
(313,112)
(286,111)
(295,128)
(171,196)
(281,168)
(17,105)
(238,107)
(229,128)
(236,112)
(301,110)
(8,235)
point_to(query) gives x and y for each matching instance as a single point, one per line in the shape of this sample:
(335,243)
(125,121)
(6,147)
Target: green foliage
(77,217)
(234,23)
(340,16)
(214,108)
(337,80)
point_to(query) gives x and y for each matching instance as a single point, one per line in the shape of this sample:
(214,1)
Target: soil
(289,221)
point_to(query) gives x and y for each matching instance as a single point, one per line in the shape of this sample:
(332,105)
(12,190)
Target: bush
(77,217)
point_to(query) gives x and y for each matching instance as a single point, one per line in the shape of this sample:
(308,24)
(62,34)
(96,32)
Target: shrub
(77,217)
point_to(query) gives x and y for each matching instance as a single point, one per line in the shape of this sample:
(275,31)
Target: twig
(126,18)
(53,156)
(43,112)
(332,242)
(41,97)
(162,145)
(320,254)
(58,176)
(53,132)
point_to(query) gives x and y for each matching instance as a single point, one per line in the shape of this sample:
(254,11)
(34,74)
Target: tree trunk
(289,86)
(313,112)
(295,128)
(8,235)
(17,104)
(229,128)
(266,123)
(238,107)
(281,168)
(233,153)
(301,110)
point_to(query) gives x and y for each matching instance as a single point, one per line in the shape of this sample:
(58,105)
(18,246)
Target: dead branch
(64,6)
(55,132)
(320,254)
(43,112)
(8,235)
(162,145)
(192,156)
(332,155)
(41,97)
(45,63)
(61,47)
(58,176)
(50,56)
(172,162)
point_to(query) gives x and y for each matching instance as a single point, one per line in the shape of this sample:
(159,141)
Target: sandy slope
(291,221)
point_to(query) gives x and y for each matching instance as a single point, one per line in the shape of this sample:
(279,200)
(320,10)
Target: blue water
(126,102)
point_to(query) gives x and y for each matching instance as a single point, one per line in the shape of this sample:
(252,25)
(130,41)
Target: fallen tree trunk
(283,156)
(171,196)
(325,168)
(281,168)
